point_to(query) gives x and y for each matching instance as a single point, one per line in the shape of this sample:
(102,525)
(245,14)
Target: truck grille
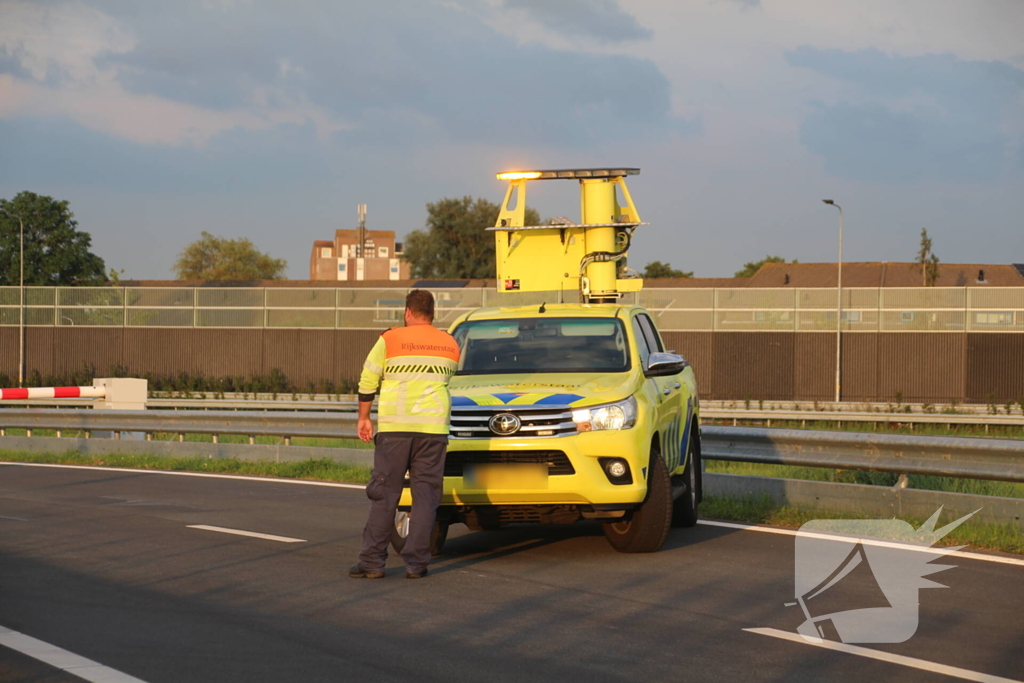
(557,461)
(537,421)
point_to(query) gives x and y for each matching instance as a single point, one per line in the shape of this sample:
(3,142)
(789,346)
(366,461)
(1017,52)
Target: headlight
(621,415)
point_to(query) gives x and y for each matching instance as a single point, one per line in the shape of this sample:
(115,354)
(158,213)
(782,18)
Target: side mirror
(663,364)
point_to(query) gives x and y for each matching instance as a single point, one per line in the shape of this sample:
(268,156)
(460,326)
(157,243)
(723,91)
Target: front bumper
(588,486)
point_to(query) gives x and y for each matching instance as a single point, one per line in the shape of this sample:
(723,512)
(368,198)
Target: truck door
(675,403)
(667,390)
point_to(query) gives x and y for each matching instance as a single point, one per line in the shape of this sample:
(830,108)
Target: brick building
(344,258)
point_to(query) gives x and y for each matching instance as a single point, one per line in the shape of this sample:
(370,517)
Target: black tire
(644,529)
(684,508)
(438,535)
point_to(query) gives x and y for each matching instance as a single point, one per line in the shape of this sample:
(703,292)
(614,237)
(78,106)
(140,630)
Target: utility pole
(839,304)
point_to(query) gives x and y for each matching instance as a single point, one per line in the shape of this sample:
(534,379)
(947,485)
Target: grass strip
(763,510)
(323,469)
(894,427)
(978,487)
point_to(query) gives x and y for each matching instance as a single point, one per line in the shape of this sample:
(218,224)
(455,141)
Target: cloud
(744,4)
(59,152)
(906,119)
(68,60)
(600,20)
(395,74)
(58,43)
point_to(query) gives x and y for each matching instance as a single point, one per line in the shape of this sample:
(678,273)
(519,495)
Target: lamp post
(21,299)
(839,303)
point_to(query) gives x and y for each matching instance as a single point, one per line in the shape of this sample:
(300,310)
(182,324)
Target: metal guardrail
(305,398)
(804,416)
(347,404)
(864,407)
(943,456)
(811,406)
(995,459)
(149,422)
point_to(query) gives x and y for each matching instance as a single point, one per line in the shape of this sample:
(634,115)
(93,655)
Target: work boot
(415,575)
(357,572)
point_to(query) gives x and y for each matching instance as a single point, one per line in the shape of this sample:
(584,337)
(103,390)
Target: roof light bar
(519,175)
(569,173)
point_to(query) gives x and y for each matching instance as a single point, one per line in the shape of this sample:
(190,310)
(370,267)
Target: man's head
(419,307)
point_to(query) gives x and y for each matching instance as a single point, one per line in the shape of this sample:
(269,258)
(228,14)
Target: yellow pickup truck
(569,411)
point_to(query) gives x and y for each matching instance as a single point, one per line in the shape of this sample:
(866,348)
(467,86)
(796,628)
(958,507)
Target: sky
(274,120)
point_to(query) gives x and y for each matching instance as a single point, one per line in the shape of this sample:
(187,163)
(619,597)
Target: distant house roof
(330,284)
(884,274)
(694,282)
(769,275)
(370,234)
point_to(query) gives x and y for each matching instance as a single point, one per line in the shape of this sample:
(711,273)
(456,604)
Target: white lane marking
(866,541)
(306,482)
(253,534)
(17,519)
(62,659)
(240,477)
(902,660)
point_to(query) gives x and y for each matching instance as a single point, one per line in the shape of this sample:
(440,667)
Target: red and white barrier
(53,392)
(117,393)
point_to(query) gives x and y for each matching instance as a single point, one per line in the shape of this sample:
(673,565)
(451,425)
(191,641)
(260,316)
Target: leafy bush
(187,383)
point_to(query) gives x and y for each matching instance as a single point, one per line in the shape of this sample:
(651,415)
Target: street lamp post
(21,299)
(839,304)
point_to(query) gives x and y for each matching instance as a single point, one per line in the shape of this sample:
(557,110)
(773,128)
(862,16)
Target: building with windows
(358,255)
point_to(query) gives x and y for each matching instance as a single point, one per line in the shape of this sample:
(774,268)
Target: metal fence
(711,411)
(991,459)
(904,309)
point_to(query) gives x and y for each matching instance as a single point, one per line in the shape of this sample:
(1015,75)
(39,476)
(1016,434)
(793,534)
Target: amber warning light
(568,173)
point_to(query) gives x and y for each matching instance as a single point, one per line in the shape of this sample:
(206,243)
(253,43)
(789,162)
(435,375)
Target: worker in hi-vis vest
(411,366)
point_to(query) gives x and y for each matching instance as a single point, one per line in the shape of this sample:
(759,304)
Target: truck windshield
(491,347)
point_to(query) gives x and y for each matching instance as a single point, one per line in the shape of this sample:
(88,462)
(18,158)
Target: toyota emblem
(504,424)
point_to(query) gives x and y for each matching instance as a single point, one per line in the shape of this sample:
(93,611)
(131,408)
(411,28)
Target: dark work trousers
(395,453)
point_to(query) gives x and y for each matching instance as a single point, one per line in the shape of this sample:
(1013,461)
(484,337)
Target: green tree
(455,243)
(56,252)
(927,261)
(218,258)
(753,266)
(656,269)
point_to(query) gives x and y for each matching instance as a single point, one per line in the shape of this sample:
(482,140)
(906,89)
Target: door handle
(667,391)
(676,385)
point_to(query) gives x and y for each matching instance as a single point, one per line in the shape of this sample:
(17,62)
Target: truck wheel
(684,508)
(400,531)
(644,529)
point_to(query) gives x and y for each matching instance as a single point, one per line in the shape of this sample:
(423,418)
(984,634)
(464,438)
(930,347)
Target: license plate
(491,476)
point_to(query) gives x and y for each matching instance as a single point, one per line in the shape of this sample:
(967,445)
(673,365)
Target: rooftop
(883,274)
(770,275)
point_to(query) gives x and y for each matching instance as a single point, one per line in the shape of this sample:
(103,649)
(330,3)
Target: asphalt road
(103,564)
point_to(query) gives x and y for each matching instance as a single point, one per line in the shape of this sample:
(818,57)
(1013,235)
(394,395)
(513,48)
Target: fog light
(617,471)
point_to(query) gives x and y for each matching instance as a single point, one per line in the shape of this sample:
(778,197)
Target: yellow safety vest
(412,367)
